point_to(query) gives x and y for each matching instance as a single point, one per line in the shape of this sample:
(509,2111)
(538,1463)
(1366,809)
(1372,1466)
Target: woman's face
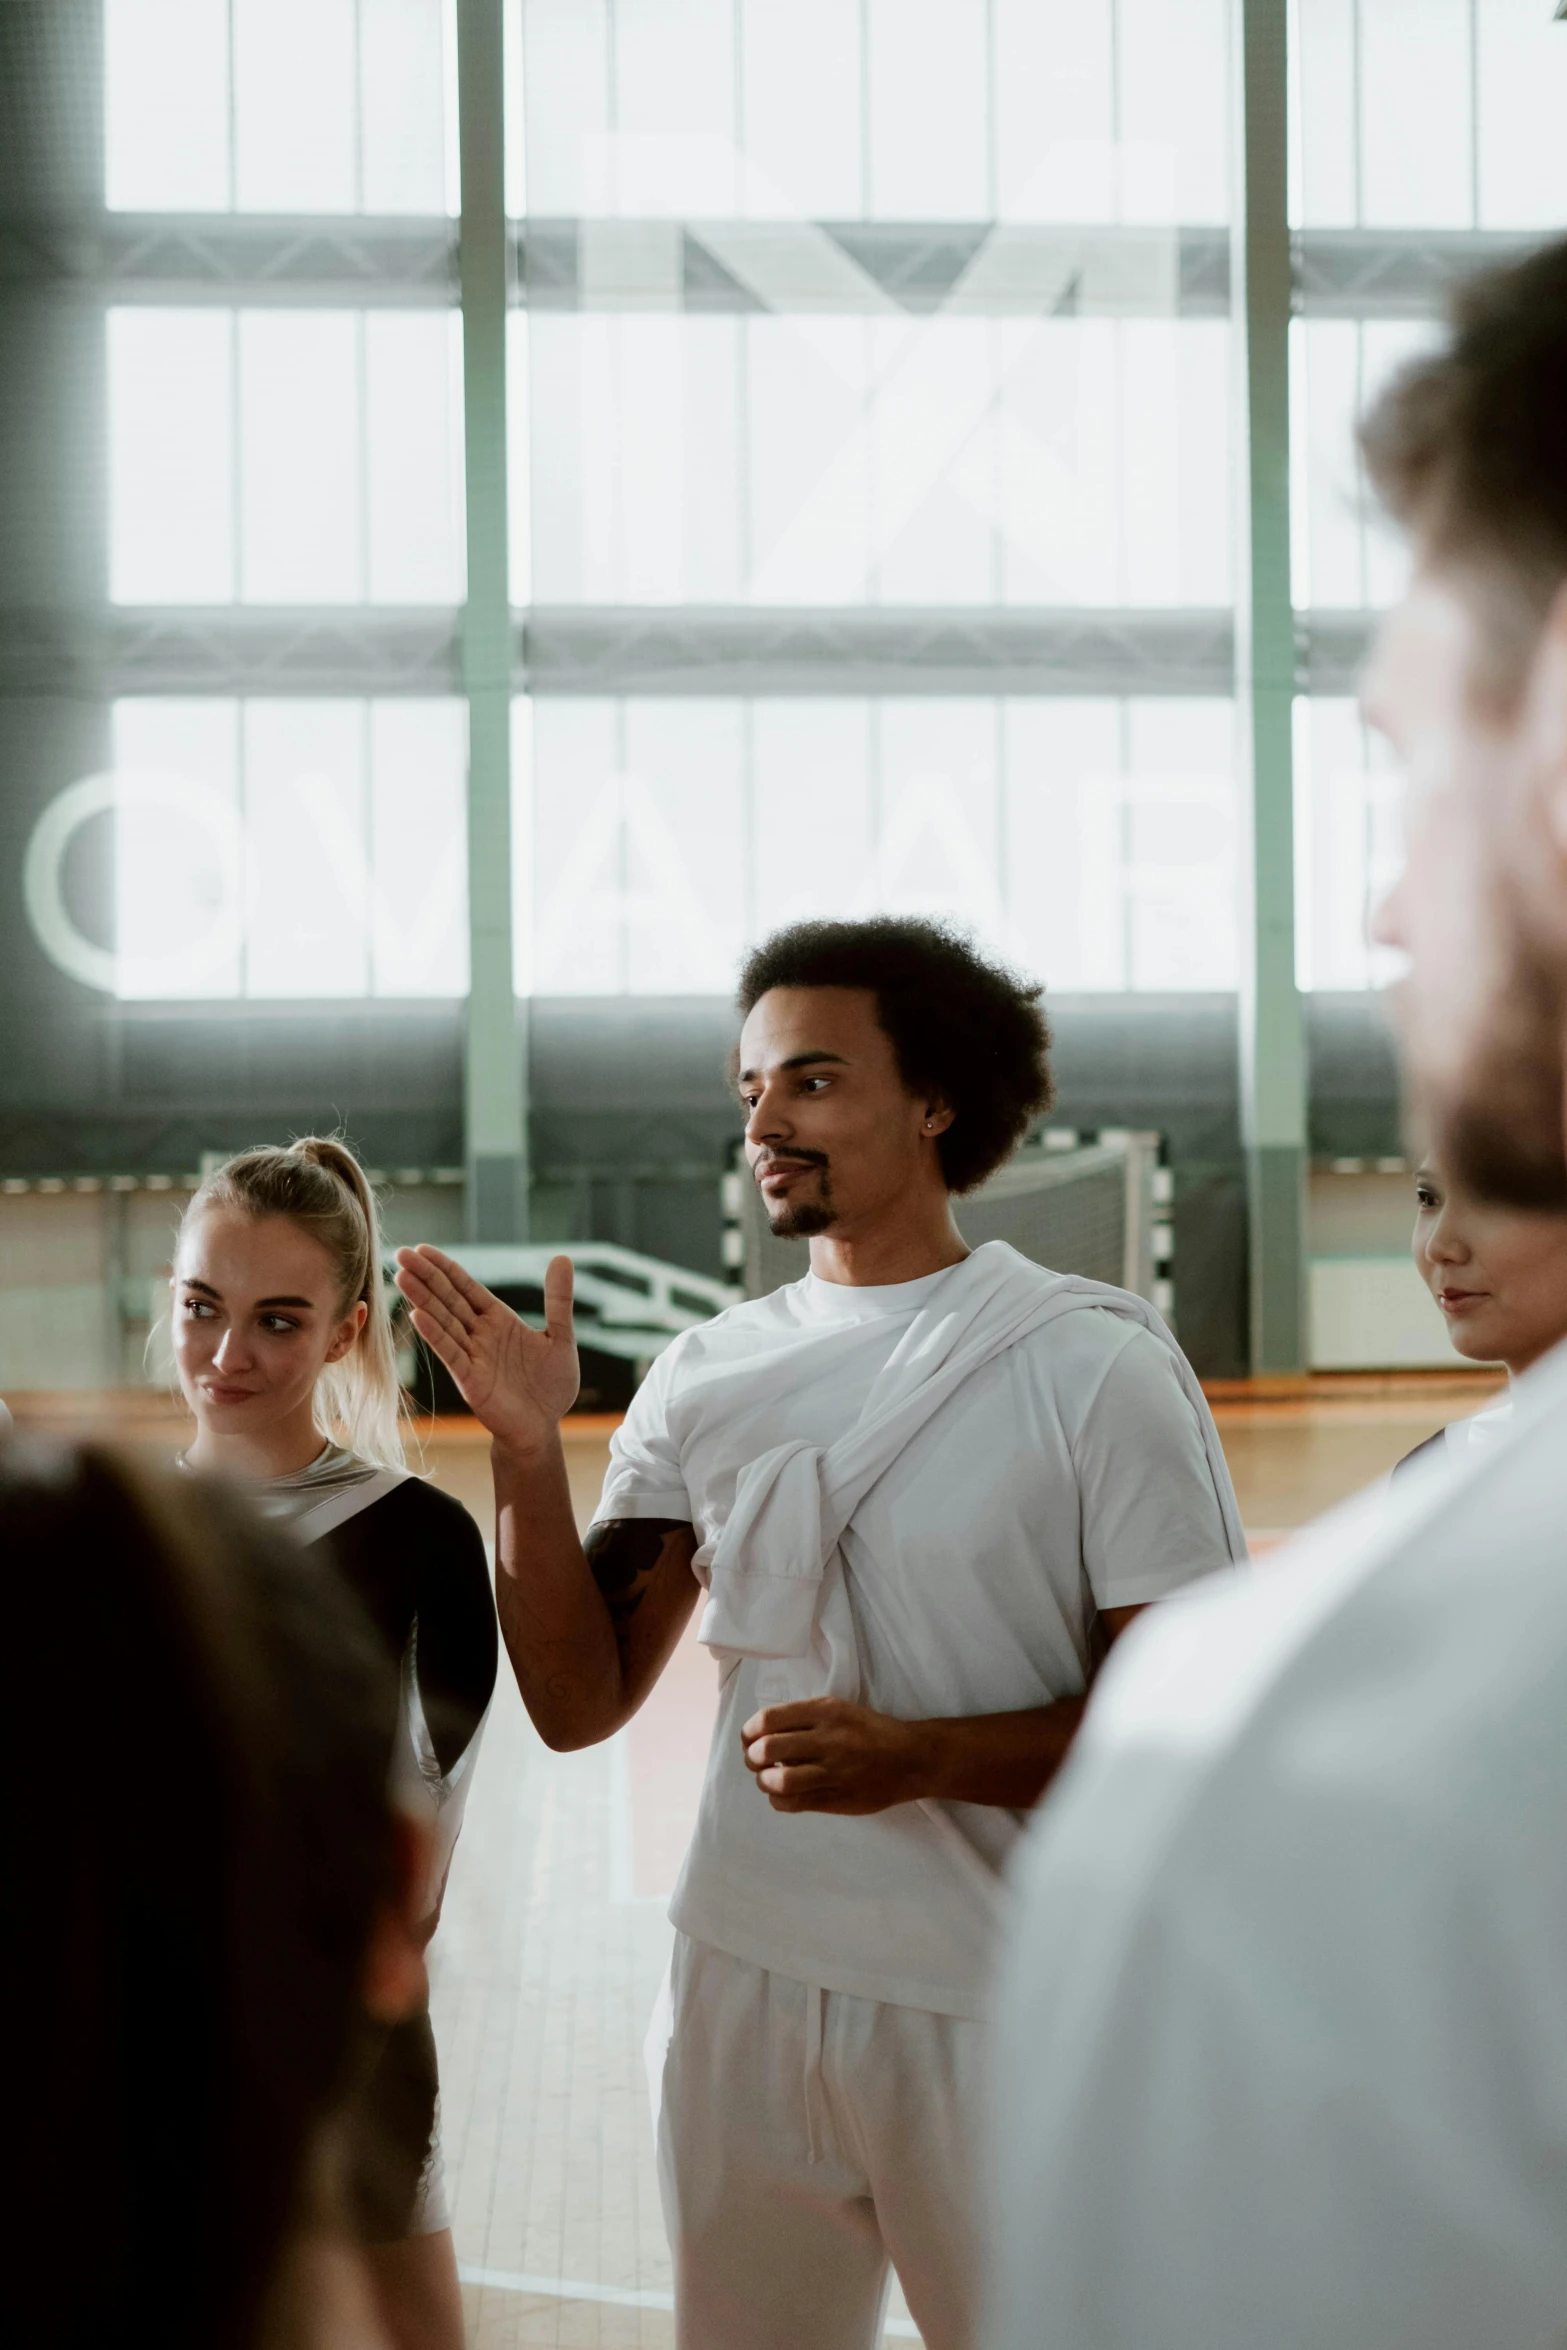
(1498,1274)
(256,1319)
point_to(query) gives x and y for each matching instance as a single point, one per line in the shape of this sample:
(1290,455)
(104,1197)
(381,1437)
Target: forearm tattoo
(622,1553)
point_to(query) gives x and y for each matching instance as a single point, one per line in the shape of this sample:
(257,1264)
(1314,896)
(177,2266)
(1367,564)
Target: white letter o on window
(186,964)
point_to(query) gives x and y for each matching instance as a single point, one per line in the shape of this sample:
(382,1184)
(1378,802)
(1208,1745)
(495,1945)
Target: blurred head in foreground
(210,1892)
(1498,1274)
(1469,682)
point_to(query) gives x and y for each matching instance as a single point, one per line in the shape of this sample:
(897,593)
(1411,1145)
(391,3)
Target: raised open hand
(519,1382)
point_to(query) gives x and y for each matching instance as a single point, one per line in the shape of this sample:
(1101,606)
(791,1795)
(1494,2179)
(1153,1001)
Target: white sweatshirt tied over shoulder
(920,1496)
(774,1571)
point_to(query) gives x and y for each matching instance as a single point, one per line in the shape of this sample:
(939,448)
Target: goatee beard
(810,1217)
(800,1223)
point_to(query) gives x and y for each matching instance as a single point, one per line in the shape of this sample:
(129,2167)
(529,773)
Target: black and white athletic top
(416,1561)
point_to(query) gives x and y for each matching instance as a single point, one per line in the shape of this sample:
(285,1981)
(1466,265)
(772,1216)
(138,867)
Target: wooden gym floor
(554,1936)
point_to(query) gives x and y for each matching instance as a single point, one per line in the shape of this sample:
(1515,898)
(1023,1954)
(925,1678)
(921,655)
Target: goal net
(1079,1205)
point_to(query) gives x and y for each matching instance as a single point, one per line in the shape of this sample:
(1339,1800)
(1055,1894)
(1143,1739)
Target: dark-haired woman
(284,1351)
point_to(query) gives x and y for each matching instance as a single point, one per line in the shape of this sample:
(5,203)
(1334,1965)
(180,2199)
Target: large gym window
(302,106)
(271,848)
(1092,842)
(886,459)
(285,456)
(1442,114)
(893,110)
(825,311)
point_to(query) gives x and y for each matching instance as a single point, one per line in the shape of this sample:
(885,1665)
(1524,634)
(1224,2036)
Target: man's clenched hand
(824,1754)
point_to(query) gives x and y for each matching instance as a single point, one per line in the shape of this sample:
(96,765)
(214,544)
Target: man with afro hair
(923,1487)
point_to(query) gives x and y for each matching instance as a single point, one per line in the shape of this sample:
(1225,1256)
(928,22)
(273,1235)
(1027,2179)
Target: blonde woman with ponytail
(283,1346)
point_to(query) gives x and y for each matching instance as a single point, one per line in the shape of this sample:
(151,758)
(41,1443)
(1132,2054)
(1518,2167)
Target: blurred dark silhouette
(201,1855)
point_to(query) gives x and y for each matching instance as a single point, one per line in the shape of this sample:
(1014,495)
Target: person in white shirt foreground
(1499,1276)
(922,1487)
(1284,2051)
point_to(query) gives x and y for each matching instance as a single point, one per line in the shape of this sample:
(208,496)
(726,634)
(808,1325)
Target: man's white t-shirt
(1067,1475)
(1283,2054)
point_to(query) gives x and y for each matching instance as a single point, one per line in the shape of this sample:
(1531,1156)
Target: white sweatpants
(806,2138)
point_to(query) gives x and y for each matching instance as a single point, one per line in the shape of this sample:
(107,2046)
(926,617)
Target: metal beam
(989,270)
(979,650)
(495,1086)
(1393,273)
(356,261)
(649,649)
(251,649)
(1272,1030)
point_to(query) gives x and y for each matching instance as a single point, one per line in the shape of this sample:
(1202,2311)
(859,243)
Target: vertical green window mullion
(1271,1022)
(495,1081)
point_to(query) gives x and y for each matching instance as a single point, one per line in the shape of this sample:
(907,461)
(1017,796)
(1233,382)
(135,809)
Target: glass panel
(1093,842)
(1061,858)
(171,456)
(938,846)
(300,456)
(809,460)
(812,815)
(1174,111)
(296,109)
(637,882)
(645,387)
(676,443)
(948,460)
(178,880)
(1348,846)
(402,79)
(1178,845)
(1415,99)
(565,81)
(301,883)
(933,461)
(520,330)
(1386,123)
(1346,552)
(413,456)
(1058,468)
(572,905)
(307,841)
(712,490)
(1522,107)
(929,109)
(418,848)
(166,105)
(1324,154)
(524,852)
(1328,492)
(682,846)
(569,421)
(1175,470)
(1055,110)
(802,92)
(676,135)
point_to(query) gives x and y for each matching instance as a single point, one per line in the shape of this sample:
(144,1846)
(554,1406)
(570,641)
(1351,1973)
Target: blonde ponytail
(318,1184)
